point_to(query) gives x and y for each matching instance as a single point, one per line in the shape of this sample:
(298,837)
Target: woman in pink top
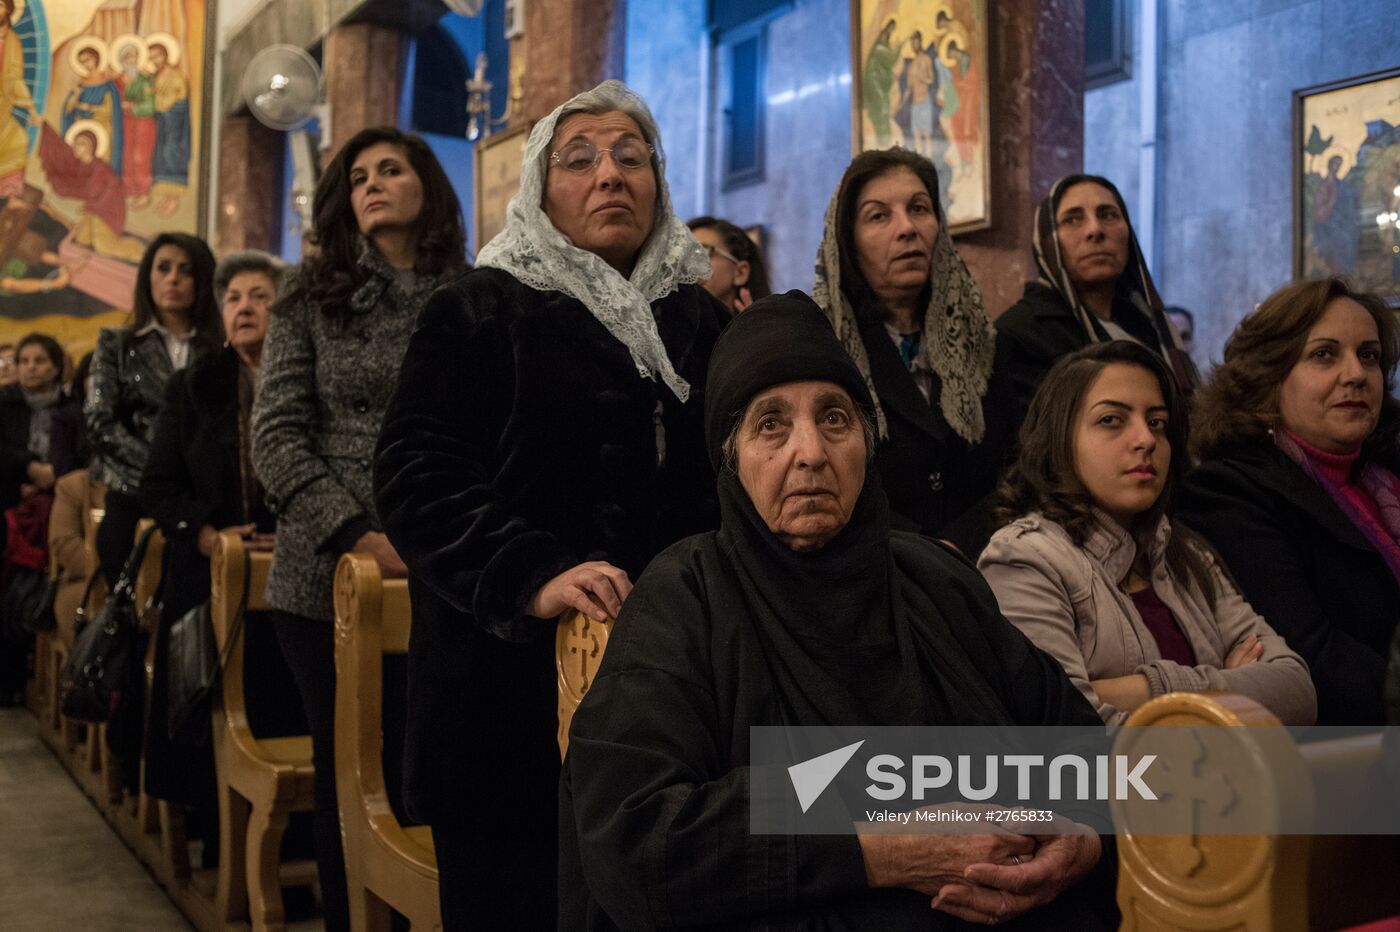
(1091,567)
(1297,436)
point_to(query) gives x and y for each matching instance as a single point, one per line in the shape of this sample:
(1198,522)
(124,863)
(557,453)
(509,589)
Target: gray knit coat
(323,388)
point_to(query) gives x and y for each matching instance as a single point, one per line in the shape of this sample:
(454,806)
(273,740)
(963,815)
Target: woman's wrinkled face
(896,228)
(385,192)
(37,372)
(607,209)
(172,280)
(1121,451)
(1093,235)
(1332,395)
(801,459)
(247,303)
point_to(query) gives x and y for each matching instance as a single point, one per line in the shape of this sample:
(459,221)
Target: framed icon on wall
(919,72)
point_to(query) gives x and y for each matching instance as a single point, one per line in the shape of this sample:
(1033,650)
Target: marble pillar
(1037,128)
(364,66)
(250,177)
(569,46)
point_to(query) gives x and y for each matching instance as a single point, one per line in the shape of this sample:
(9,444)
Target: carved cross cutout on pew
(583,645)
(1208,797)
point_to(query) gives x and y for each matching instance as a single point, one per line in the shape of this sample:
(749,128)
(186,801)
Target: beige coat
(73,495)
(1068,600)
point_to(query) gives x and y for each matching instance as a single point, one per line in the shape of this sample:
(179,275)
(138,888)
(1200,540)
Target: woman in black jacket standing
(388,231)
(545,442)
(175,321)
(198,482)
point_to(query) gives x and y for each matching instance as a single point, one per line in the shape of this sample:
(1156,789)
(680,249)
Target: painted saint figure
(15,98)
(1335,206)
(138,111)
(96,97)
(877,81)
(172,112)
(967,127)
(75,165)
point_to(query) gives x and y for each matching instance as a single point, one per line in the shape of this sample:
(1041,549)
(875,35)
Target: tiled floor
(61,866)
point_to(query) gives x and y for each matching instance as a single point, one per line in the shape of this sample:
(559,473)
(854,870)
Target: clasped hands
(986,878)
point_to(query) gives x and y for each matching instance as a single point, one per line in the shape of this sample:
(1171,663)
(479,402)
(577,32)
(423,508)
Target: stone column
(1037,130)
(570,46)
(364,66)
(250,177)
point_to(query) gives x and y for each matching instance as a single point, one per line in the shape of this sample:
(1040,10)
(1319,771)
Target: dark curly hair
(205,318)
(1044,479)
(1239,401)
(330,273)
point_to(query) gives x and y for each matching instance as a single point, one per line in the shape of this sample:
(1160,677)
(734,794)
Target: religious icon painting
(103,145)
(1346,182)
(919,73)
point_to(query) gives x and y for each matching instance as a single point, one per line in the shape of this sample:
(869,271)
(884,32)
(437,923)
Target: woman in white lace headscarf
(909,314)
(545,442)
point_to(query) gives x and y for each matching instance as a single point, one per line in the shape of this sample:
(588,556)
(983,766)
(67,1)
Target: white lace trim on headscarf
(533,250)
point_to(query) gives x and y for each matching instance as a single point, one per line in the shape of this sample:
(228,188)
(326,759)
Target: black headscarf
(1135,285)
(858,631)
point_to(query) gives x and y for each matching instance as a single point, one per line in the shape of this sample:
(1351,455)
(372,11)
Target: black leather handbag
(194,665)
(93,680)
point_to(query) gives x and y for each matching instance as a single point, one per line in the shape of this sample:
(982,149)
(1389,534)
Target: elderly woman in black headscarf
(1093,286)
(804,608)
(909,314)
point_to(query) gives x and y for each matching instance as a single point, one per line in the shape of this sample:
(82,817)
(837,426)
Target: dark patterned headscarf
(958,341)
(1135,284)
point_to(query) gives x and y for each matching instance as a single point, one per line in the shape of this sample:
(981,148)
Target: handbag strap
(127,577)
(237,630)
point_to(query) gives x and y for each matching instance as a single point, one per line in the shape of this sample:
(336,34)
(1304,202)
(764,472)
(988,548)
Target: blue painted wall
(808,131)
(1228,70)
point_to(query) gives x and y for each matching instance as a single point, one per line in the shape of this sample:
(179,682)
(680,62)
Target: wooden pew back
(1262,882)
(579,643)
(386,865)
(261,781)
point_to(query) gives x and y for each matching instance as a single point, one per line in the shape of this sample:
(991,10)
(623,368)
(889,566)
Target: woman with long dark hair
(174,321)
(1091,566)
(388,231)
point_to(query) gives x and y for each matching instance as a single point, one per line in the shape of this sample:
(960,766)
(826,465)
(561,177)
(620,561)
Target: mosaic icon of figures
(76,164)
(97,97)
(17,110)
(171,162)
(138,96)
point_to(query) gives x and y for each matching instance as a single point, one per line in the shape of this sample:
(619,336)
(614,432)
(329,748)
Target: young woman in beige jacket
(1092,569)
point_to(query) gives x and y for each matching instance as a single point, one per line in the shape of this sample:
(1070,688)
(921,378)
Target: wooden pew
(579,642)
(387,866)
(1262,883)
(261,782)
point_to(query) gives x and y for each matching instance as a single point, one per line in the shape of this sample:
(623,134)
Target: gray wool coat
(323,388)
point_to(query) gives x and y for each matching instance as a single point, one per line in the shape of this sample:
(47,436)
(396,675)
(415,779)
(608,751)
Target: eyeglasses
(1107,215)
(716,251)
(581,155)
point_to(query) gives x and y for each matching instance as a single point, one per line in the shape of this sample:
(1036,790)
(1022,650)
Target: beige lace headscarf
(532,249)
(959,341)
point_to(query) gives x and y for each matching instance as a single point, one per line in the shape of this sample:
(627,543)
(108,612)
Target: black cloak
(732,629)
